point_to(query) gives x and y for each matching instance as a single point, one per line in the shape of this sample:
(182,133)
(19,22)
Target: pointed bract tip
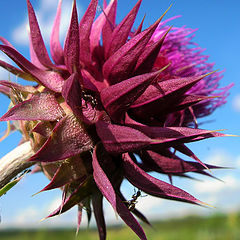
(160,19)
(231,135)
(204,204)
(43,219)
(36,193)
(162,69)
(207,74)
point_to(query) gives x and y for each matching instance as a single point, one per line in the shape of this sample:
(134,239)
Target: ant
(88,98)
(132,203)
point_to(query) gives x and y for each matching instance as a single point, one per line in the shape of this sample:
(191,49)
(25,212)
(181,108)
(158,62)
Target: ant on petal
(131,204)
(88,98)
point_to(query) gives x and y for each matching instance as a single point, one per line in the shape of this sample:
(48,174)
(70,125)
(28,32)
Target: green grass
(217,227)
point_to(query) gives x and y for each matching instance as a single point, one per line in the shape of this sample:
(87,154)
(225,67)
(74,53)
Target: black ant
(88,98)
(132,203)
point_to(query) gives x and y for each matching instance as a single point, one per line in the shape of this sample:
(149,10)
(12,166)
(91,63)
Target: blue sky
(218,25)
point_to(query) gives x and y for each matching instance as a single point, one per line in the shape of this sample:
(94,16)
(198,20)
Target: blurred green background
(215,227)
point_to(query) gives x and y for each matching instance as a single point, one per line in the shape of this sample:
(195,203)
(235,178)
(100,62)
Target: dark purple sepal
(49,79)
(119,139)
(118,98)
(121,64)
(108,192)
(166,105)
(149,55)
(85,27)
(173,165)
(153,186)
(71,92)
(109,26)
(71,47)
(169,90)
(43,128)
(170,136)
(42,106)
(139,29)
(121,32)
(78,195)
(68,139)
(188,152)
(97,202)
(98,24)
(36,38)
(66,174)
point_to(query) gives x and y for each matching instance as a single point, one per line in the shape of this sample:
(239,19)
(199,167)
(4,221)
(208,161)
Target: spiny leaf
(107,190)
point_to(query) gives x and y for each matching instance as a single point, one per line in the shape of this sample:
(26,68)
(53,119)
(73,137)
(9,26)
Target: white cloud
(149,203)
(45,15)
(236,103)
(238,162)
(219,157)
(215,187)
(54,204)
(27,216)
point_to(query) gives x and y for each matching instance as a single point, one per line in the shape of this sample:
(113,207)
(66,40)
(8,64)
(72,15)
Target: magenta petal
(121,64)
(36,37)
(42,106)
(49,79)
(16,71)
(85,31)
(55,46)
(118,98)
(72,94)
(108,191)
(67,139)
(120,139)
(121,32)
(153,186)
(71,47)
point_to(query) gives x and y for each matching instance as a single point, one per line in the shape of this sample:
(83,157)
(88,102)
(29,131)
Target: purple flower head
(109,97)
(186,59)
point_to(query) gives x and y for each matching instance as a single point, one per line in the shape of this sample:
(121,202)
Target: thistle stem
(15,162)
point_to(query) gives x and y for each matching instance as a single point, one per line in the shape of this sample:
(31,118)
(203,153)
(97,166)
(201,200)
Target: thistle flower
(107,108)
